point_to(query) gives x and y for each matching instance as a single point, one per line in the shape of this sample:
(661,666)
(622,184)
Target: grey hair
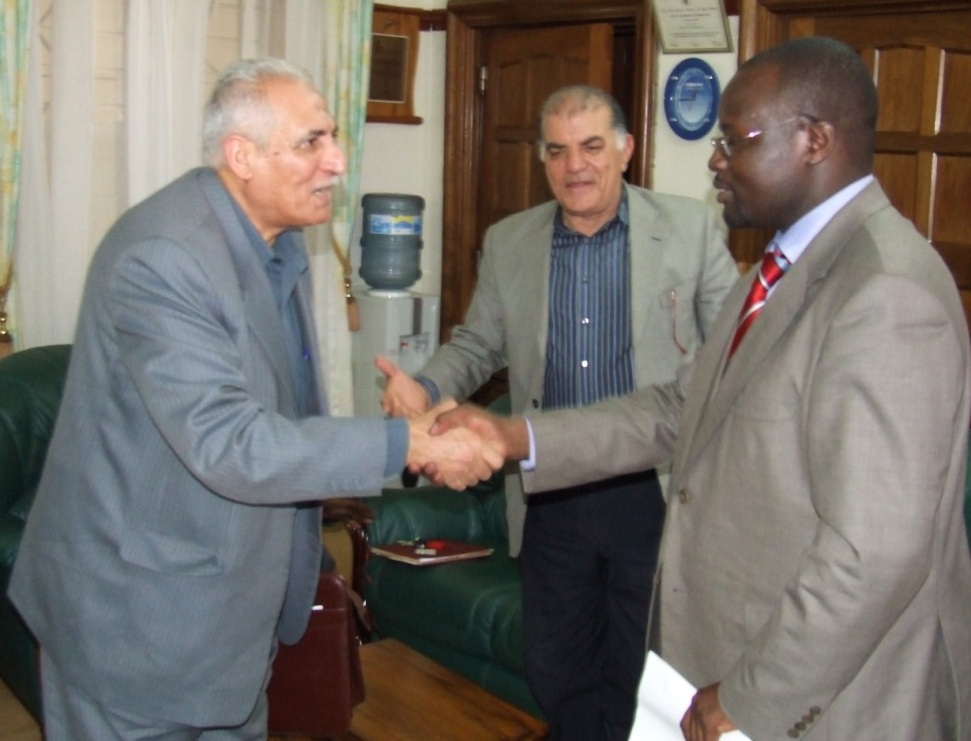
(573,99)
(237,104)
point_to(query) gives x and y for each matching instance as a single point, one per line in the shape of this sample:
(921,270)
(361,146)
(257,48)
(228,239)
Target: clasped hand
(450,445)
(450,454)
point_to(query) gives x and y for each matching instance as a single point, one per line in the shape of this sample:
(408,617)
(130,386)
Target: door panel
(921,63)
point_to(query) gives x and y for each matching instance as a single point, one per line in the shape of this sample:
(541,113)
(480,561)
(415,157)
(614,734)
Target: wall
(402,158)
(681,166)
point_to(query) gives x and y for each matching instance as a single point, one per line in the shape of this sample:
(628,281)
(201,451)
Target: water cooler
(395,322)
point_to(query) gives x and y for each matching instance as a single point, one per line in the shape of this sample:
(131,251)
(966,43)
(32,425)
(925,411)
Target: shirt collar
(622,216)
(284,248)
(794,240)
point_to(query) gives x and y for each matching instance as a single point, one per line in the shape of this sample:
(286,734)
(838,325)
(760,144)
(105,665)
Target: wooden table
(411,698)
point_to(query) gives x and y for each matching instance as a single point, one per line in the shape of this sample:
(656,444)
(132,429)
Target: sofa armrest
(425,512)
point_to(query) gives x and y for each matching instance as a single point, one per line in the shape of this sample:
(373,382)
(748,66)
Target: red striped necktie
(774,266)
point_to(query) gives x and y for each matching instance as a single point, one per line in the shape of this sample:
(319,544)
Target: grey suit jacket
(680,270)
(164,535)
(814,559)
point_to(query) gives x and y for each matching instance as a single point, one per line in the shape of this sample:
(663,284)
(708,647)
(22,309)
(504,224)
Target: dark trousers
(588,559)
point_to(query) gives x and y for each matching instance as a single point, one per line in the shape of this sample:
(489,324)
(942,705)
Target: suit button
(815,710)
(793,733)
(535,403)
(683,496)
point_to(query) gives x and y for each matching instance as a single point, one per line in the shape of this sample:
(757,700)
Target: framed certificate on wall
(394,56)
(691,26)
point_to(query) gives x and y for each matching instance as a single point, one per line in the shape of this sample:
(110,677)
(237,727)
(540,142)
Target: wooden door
(920,56)
(522,69)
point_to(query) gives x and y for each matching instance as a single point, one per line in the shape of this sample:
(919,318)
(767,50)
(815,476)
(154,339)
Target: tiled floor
(16,724)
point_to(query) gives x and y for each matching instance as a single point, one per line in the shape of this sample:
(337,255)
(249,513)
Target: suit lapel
(304,296)
(715,388)
(261,313)
(645,255)
(535,302)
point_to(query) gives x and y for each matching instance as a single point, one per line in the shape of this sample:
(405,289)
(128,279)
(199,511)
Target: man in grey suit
(175,535)
(814,578)
(607,288)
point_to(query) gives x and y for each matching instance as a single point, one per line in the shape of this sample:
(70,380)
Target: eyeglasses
(727,144)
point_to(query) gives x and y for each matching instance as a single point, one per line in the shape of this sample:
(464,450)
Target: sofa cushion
(473,607)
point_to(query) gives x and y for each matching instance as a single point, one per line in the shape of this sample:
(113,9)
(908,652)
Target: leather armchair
(31,384)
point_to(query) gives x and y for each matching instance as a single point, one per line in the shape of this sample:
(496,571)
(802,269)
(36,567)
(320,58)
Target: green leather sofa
(31,384)
(466,615)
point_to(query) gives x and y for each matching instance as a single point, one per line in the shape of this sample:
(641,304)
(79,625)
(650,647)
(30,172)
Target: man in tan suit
(814,578)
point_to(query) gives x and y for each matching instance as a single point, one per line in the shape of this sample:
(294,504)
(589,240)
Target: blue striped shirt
(589,354)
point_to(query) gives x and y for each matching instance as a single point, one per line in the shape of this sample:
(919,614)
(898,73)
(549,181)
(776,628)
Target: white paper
(662,699)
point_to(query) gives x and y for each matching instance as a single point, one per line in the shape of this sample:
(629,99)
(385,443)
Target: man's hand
(508,435)
(705,719)
(457,457)
(403,395)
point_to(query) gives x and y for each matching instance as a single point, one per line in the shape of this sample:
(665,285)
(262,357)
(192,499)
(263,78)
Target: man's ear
(628,150)
(822,141)
(238,152)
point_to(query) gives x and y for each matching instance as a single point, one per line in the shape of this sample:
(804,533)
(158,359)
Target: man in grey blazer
(607,288)
(175,535)
(814,579)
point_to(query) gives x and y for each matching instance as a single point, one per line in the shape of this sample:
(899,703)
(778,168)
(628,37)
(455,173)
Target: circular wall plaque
(691,98)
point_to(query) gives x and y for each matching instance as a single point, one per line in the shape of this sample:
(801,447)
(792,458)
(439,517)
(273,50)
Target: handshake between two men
(450,444)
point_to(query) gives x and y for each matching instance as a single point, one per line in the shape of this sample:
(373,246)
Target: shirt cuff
(530,463)
(397,432)
(431,388)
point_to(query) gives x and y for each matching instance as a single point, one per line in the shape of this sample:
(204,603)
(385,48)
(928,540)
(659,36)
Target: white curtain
(54,244)
(165,55)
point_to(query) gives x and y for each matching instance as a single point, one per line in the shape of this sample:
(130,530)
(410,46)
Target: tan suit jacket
(814,558)
(680,272)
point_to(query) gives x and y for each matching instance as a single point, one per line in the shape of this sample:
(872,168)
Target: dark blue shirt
(284,264)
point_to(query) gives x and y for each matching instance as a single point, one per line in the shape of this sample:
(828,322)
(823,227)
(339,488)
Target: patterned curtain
(348,50)
(348,74)
(14,28)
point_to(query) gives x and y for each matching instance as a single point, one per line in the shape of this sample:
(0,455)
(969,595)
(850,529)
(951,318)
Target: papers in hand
(662,699)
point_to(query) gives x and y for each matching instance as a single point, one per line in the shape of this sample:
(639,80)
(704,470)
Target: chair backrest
(31,386)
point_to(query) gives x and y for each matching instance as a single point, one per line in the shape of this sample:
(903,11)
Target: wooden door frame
(765,23)
(762,23)
(466,21)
